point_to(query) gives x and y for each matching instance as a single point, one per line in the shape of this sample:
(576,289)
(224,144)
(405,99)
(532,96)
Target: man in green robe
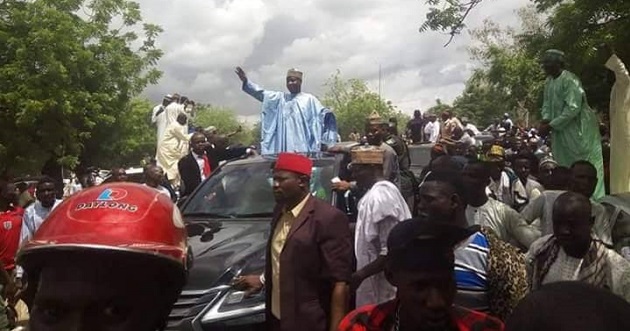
(566,114)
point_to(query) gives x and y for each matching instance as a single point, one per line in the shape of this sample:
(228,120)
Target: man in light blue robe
(293,121)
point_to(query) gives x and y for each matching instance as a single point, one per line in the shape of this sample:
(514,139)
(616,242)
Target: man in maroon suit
(309,255)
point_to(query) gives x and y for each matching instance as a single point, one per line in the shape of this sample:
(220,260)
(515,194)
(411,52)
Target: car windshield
(244,190)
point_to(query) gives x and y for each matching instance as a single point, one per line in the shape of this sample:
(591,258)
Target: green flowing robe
(575,135)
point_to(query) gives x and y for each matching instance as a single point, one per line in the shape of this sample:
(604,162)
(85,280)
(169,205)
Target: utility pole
(379,80)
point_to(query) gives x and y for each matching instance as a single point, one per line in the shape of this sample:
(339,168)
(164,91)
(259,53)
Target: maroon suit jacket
(318,253)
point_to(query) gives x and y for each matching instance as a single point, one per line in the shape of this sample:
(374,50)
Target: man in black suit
(207,151)
(196,166)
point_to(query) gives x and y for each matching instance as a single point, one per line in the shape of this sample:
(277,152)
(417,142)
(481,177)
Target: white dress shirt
(34,217)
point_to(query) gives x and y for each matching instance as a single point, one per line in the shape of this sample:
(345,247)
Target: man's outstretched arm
(248,87)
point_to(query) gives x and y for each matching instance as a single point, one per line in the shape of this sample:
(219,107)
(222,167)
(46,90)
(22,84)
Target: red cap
(295,163)
(113,217)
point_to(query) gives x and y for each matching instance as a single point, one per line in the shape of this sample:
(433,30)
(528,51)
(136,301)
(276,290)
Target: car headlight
(234,304)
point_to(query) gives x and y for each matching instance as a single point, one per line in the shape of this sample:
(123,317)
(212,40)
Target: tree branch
(456,29)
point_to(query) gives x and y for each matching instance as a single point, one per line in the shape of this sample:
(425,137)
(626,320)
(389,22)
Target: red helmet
(117,217)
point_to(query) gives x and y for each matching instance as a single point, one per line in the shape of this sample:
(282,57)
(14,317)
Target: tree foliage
(439,108)
(136,136)
(509,72)
(509,80)
(353,102)
(69,70)
(480,102)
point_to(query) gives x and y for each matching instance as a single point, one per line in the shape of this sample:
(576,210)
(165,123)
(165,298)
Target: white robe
(433,130)
(380,209)
(172,111)
(172,148)
(159,120)
(619,128)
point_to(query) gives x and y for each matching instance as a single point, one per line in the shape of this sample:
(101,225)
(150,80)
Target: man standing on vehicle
(568,118)
(415,127)
(291,122)
(619,123)
(158,117)
(309,255)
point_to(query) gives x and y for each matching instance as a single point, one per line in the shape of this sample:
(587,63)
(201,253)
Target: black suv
(228,220)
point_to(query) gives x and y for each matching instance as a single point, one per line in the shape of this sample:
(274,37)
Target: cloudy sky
(204,40)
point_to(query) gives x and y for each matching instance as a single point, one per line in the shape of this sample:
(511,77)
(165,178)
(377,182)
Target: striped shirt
(471,265)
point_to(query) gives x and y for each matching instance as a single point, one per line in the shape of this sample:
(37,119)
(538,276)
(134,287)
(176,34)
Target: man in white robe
(379,210)
(173,110)
(619,126)
(291,122)
(173,147)
(432,129)
(158,117)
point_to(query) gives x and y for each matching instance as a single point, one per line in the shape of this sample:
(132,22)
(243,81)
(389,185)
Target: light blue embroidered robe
(292,122)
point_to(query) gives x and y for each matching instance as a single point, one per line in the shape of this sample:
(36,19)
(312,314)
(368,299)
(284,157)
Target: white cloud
(205,39)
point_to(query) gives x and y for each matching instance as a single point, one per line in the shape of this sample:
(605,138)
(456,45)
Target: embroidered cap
(295,73)
(367,155)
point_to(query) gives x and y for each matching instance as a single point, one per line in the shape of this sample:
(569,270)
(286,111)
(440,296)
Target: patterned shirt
(383,317)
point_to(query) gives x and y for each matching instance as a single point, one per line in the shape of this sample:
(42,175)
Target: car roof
(342,147)
(268,158)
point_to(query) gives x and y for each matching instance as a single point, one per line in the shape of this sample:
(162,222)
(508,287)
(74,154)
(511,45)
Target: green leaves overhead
(509,68)
(69,70)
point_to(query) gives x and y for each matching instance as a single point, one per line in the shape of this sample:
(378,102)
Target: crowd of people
(490,232)
(492,221)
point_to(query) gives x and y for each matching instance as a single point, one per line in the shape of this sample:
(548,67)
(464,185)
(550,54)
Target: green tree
(68,78)
(481,102)
(225,120)
(136,136)
(509,80)
(510,59)
(438,108)
(575,26)
(255,134)
(353,102)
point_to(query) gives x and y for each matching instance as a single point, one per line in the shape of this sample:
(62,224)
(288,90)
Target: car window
(245,190)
